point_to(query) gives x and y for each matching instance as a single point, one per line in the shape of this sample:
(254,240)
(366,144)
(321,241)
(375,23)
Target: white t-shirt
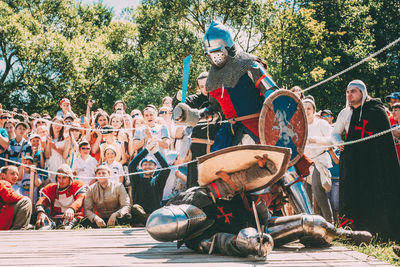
(116,170)
(85,168)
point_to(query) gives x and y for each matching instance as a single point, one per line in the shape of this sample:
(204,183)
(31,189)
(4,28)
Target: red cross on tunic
(223,214)
(365,122)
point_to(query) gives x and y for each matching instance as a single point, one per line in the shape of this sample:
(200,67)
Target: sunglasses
(325,116)
(5,118)
(134,115)
(85,148)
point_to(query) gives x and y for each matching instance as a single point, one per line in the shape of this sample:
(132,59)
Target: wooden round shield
(283,123)
(237,158)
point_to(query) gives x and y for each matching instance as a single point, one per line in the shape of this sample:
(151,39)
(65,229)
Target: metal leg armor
(312,230)
(246,242)
(175,222)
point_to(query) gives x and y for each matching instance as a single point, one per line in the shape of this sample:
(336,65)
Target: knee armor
(175,222)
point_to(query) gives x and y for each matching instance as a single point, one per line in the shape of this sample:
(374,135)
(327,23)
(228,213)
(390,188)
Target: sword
(258,227)
(185,79)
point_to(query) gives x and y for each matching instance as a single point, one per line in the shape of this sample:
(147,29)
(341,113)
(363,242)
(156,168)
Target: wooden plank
(133,246)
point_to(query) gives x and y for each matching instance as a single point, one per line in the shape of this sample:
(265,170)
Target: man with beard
(369,171)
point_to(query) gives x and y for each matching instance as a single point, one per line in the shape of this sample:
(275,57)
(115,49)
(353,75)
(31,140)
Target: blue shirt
(335,169)
(3,133)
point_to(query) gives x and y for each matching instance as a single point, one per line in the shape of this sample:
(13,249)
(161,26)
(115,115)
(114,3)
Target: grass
(377,248)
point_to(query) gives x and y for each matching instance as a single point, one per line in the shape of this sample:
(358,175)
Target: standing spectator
(65,110)
(109,199)
(39,159)
(319,132)
(19,146)
(369,170)
(298,91)
(176,179)
(9,125)
(55,148)
(64,199)
(71,144)
(119,105)
(152,131)
(147,188)
(327,115)
(166,102)
(15,211)
(3,118)
(393,98)
(115,167)
(4,143)
(101,120)
(396,133)
(333,195)
(84,165)
(24,177)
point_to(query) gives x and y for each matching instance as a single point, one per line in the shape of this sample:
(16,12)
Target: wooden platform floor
(134,247)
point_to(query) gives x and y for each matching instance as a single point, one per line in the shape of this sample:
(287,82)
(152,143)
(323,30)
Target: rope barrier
(353,66)
(89,177)
(358,140)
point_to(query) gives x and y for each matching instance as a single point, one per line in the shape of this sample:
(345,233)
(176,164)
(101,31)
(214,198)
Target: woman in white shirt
(319,134)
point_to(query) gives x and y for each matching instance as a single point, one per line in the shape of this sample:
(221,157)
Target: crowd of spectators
(67,156)
(86,165)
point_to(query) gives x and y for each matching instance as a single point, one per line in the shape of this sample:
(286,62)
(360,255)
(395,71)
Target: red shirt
(7,200)
(60,200)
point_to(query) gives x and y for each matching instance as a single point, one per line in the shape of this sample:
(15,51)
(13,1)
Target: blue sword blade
(185,79)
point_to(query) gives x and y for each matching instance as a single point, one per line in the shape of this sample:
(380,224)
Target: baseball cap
(394,95)
(64,100)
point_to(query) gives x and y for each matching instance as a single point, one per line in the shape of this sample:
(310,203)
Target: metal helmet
(174,222)
(217,40)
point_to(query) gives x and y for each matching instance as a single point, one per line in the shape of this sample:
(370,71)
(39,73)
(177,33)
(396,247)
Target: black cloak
(370,174)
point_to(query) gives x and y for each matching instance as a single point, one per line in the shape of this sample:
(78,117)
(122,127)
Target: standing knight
(237,84)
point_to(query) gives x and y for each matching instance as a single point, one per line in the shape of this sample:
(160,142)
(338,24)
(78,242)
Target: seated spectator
(16,210)
(19,146)
(109,199)
(24,178)
(84,165)
(117,171)
(176,180)
(64,199)
(54,151)
(152,131)
(65,110)
(147,188)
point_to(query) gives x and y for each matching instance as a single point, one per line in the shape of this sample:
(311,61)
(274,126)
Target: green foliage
(50,49)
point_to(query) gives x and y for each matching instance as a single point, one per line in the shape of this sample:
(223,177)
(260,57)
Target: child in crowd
(116,168)
(176,180)
(24,179)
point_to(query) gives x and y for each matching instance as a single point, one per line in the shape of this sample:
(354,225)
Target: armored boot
(312,230)
(246,243)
